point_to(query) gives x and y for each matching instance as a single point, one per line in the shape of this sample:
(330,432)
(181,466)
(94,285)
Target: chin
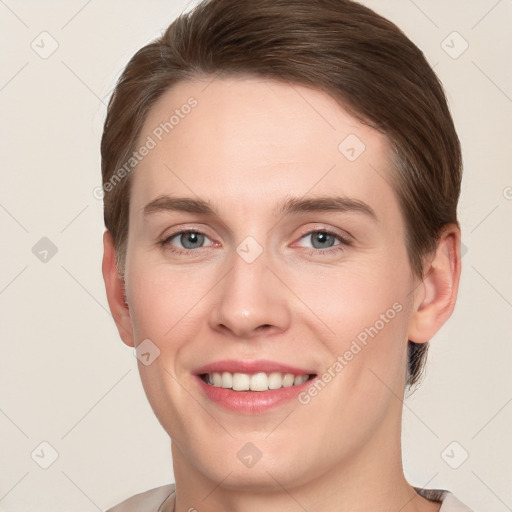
(256,465)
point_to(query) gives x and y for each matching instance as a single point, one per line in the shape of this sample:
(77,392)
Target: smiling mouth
(254,382)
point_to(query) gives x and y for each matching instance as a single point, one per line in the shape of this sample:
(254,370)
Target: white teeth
(300,379)
(259,382)
(227,380)
(275,381)
(241,382)
(255,382)
(288,380)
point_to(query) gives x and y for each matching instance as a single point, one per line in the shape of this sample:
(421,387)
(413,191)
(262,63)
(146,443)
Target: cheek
(161,300)
(162,310)
(364,315)
(355,296)
(366,370)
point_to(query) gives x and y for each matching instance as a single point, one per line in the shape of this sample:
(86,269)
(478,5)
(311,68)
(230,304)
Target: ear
(436,295)
(115,289)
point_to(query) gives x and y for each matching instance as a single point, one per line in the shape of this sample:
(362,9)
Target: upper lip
(250,367)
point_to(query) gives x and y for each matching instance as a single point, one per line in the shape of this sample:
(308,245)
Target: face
(266,247)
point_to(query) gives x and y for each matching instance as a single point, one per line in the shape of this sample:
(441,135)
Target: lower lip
(251,402)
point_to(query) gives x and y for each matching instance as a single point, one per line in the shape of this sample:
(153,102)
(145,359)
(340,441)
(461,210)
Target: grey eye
(191,240)
(321,239)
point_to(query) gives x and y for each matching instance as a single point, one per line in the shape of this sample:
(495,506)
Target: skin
(249,144)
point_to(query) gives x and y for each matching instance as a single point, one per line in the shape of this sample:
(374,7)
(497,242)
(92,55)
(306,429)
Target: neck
(371,478)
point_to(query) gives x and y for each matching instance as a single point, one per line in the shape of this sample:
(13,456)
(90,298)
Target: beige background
(67,379)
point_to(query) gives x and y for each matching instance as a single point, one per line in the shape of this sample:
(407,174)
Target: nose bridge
(251,296)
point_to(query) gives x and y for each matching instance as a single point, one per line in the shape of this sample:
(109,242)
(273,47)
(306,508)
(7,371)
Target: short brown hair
(340,47)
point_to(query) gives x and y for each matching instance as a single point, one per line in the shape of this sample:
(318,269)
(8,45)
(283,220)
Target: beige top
(156,499)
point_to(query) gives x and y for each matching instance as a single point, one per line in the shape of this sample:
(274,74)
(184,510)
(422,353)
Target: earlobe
(115,289)
(435,297)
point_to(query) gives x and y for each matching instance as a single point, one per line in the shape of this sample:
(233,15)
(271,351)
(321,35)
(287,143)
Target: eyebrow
(288,206)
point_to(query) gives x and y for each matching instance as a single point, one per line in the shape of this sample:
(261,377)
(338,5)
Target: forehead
(246,142)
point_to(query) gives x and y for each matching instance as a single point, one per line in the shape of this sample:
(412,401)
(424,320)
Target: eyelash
(344,242)
(312,252)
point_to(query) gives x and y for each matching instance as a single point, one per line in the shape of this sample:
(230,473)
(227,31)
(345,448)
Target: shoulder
(449,503)
(452,504)
(148,501)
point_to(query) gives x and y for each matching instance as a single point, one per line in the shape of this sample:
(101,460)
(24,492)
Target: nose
(251,300)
